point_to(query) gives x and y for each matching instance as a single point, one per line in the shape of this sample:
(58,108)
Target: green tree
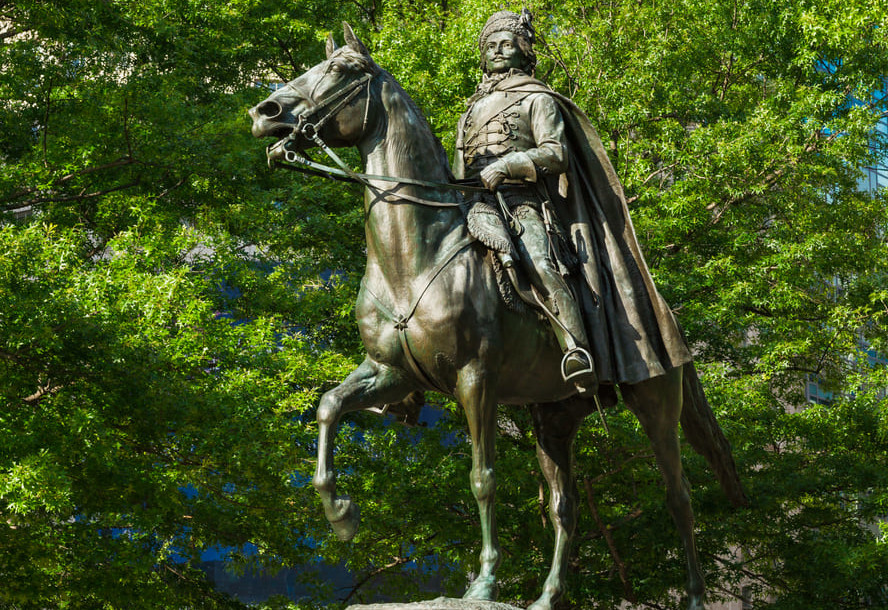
(170,310)
(141,426)
(740,131)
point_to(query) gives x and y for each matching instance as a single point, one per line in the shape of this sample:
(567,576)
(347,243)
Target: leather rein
(311,131)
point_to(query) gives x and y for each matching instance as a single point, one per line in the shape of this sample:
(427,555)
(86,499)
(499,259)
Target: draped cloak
(632,332)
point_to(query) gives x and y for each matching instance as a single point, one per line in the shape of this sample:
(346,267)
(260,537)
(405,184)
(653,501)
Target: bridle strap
(346,93)
(311,131)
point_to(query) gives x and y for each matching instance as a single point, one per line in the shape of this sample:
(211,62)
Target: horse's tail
(706,437)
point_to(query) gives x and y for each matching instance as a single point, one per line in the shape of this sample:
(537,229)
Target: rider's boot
(577,364)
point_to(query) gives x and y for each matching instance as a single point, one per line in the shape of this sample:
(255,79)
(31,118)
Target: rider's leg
(533,248)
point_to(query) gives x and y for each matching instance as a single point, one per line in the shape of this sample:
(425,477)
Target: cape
(632,332)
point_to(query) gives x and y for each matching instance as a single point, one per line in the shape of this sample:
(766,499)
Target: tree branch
(10,33)
(41,393)
(768,181)
(289,54)
(558,59)
(632,458)
(122,161)
(167,191)
(628,593)
(369,13)
(747,573)
(374,573)
(126,132)
(79,197)
(220,494)
(46,120)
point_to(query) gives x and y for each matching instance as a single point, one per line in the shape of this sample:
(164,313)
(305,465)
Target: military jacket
(502,122)
(632,333)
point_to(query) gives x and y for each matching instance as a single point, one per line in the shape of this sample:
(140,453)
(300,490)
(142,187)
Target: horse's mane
(405,150)
(408,149)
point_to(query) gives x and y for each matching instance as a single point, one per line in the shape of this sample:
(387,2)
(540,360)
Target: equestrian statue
(532,207)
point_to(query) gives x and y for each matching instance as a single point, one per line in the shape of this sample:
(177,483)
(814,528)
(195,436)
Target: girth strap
(402,320)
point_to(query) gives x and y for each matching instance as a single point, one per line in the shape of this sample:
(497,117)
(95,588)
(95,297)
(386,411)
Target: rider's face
(501,53)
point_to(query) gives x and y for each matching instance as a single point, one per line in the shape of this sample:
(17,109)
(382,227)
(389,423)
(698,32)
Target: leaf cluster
(171,310)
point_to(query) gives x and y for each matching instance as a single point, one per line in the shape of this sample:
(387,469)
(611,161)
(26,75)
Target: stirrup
(582,353)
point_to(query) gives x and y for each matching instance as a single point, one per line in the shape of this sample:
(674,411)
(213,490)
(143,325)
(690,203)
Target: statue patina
(512,138)
(431,313)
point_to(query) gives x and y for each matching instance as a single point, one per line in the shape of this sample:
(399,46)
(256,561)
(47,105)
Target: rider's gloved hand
(515,165)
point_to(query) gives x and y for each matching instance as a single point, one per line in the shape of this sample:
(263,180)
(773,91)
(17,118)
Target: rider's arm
(549,154)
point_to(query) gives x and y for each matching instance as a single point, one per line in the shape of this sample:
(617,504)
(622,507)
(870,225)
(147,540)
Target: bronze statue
(560,205)
(432,316)
(512,138)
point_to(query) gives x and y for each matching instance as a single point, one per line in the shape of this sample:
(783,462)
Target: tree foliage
(170,310)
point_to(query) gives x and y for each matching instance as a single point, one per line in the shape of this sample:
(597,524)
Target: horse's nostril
(269,109)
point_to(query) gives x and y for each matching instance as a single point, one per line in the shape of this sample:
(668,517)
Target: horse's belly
(461,326)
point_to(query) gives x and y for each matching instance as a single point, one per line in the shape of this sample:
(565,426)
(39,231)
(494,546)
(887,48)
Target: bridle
(309,128)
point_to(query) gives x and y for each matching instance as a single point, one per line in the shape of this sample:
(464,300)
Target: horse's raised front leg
(556,426)
(657,405)
(369,385)
(474,393)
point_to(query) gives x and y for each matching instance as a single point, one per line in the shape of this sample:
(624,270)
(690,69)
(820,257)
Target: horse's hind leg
(556,426)
(657,405)
(369,385)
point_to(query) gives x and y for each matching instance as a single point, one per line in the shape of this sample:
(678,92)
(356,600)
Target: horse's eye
(335,68)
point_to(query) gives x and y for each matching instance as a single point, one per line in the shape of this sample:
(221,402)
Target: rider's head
(506,42)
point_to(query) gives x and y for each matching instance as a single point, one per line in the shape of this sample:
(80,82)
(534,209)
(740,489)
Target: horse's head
(332,100)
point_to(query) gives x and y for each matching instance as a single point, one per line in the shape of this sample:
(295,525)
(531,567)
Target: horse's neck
(404,239)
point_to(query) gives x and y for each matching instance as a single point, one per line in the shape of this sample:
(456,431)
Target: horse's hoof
(696,603)
(545,602)
(482,588)
(345,519)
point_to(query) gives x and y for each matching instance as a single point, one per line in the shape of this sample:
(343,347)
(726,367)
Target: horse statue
(432,318)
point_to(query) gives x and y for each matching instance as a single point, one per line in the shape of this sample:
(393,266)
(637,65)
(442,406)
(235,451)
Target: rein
(311,131)
(303,164)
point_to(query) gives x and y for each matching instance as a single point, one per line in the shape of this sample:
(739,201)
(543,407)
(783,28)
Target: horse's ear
(352,40)
(331,45)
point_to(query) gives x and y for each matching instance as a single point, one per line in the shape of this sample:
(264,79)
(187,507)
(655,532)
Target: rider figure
(514,142)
